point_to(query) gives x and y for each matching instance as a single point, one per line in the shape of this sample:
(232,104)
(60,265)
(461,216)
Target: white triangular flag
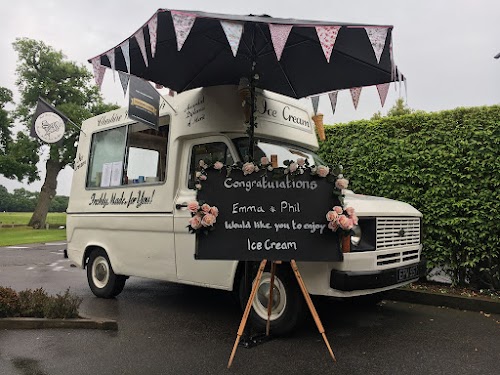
(125,46)
(233,31)
(355,94)
(315,103)
(124,78)
(333,100)
(279,36)
(153,27)
(182,25)
(327,36)
(383,90)
(139,35)
(111,57)
(99,71)
(377,36)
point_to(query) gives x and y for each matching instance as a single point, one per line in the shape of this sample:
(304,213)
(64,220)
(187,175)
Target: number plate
(407,273)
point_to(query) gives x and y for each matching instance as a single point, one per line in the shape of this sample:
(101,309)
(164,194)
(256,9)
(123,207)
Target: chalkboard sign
(265,218)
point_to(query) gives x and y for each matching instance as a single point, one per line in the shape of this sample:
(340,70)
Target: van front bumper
(350,281)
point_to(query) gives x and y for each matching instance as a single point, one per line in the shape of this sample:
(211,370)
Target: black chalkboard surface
(265,218)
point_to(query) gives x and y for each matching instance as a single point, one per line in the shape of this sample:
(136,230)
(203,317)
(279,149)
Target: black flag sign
(48,123)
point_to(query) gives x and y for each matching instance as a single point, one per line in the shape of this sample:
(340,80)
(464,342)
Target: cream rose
(206,208)
(248,168)
(264,160)
(293,167)
(331,216)
(203,177)
(195,222)
(345,223)
(333,226)
(349,211)
(301,161)
(323,171)
(218,165)
(193,206)
(208,220)
(214,211)
(338,209)
(342,183)
(354,219)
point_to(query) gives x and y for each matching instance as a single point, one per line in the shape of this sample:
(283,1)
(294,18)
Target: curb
(43,323)
(436,299)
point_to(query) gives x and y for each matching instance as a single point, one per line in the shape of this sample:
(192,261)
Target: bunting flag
(182,25)
(111,57)
(333,100)
(383,90)
(393,65)
(355,94)
(125,46)
(153,27)
(233,31)
(139,35)
(158,86)
(327,36)
(315,103)
(279,36)
(124,78)
(99,71)
(377,36)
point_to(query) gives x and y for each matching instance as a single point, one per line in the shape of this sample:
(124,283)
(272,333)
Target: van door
(212,273)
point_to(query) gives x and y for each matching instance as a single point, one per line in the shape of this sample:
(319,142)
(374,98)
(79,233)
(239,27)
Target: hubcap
(100,272)
(262,299)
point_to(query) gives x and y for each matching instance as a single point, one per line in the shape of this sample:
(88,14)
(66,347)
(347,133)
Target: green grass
(25,235)
(23,218)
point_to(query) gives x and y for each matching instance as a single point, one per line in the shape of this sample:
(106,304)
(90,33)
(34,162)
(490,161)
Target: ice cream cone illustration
(320,128)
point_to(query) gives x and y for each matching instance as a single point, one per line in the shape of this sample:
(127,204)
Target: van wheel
(288,302)
(103,282)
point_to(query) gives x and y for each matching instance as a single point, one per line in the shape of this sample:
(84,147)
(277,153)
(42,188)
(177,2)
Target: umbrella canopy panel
(206,58)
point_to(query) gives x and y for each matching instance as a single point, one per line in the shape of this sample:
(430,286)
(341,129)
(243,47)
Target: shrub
(33,302)
(446,165)
(9,302)
(62,306)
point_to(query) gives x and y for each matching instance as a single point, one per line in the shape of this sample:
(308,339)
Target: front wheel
(287,305)
(103,282)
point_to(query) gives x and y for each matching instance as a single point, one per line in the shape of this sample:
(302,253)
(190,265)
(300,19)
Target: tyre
(103,282)
(288,301)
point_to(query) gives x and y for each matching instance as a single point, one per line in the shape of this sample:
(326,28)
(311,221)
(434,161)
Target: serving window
(132,154)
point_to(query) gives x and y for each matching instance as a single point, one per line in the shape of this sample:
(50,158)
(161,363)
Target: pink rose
(323,171)
(264,160)
(198,186)
(342,183)
(248,168)
(208,220)
(350,211)
(354,219)
(333,226)
(301,161)
(214,211)
(293,167)
(195,222)
(193,206)
(198,174)
(256,169)
(203,177)
(345,223)
(338,209)
(205,208)
(203,164)
(218,165)
(331,216)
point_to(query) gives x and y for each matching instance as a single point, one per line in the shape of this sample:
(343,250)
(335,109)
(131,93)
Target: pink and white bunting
(99,71)
(233,31)
(153,28)
(355,94)
(333,100)
(383,89)
(327,36)
(125,46)
(377,36)
(124,78)
(111,57)
(279,36)
(182,25)
(139,36)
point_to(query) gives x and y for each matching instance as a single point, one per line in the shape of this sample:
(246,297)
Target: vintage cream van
(127,212)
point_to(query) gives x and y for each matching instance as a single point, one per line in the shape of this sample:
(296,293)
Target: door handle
(178,206)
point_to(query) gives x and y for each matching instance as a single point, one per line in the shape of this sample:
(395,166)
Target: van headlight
(356,235)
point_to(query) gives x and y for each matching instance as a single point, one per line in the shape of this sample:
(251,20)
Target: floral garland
(344,219)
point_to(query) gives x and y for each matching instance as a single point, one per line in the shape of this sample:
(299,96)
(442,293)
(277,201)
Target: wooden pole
(310,304)
(270,303)
(246,313)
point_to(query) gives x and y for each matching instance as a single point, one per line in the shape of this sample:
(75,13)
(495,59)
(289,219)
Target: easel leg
(270,303)
(310,304)
(247,310)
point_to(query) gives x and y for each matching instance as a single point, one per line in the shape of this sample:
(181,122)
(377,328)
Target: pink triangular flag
(233,31)
(153,27)
(139,35)
(111,57)
(99,71)
(383,89)
(327,36)
(279,36)
(182,25)
(355,94)
(125,46)
(124,78)
(333,100)
(377,36)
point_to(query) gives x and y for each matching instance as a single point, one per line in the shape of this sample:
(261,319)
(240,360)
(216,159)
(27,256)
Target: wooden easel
(248,307)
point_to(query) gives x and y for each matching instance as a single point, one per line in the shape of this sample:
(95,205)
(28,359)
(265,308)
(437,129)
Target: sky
(445,48)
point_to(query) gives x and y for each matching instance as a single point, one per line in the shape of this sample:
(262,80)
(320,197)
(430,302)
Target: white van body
(141,225)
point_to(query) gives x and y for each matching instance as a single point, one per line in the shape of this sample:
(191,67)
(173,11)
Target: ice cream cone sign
(320,128)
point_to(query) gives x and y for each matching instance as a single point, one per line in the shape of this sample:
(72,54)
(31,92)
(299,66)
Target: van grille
(397,231)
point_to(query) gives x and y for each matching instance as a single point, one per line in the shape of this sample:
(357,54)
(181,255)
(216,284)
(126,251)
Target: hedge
(445,164)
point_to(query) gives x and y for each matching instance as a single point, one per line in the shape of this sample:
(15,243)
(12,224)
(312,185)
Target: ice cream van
(128,216)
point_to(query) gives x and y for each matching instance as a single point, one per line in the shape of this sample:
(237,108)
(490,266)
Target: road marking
(17,247)
(55,243)
(56,252)
(30,268)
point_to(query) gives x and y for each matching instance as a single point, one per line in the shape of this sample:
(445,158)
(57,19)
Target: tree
(398,109)
(45,72)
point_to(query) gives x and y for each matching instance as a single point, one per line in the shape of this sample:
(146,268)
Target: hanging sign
(48,124)
(260,217)
(144,102)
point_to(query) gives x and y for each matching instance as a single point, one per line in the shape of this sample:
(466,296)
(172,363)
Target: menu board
(261,217)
